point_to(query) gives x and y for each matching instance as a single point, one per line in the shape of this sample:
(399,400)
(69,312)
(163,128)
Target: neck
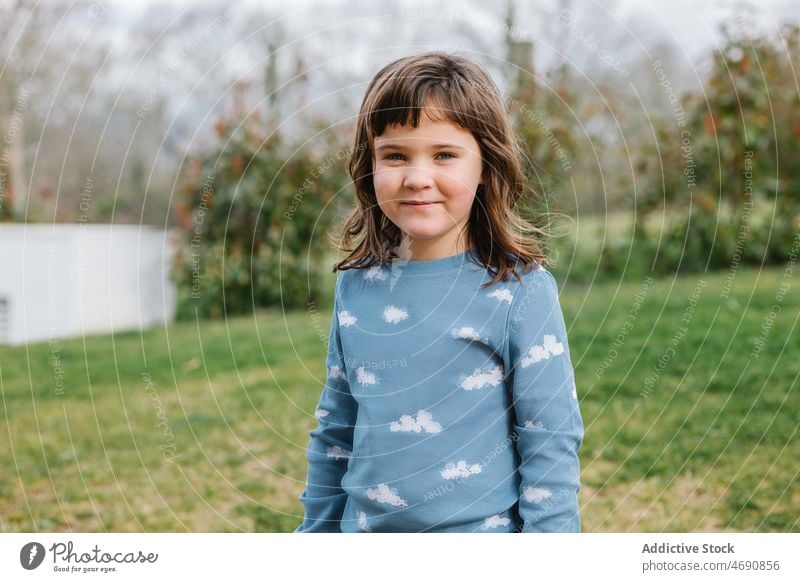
(423,250)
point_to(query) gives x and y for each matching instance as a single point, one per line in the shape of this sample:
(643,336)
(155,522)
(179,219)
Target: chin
(423,234)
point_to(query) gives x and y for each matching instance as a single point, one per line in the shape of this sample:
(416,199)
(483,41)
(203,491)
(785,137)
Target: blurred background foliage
(252,209)
(220,126)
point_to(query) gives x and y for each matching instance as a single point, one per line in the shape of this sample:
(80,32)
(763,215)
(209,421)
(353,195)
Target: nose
(417,177)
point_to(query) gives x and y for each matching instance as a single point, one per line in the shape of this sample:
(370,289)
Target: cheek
(461,198)
(457,190)
(465,204)
(383,182)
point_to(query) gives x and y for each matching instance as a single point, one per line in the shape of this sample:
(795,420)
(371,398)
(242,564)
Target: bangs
(402,102)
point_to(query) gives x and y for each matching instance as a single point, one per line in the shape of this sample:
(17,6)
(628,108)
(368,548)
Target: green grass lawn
(204,428)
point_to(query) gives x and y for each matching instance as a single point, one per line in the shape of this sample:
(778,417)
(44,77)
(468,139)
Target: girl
(450,402)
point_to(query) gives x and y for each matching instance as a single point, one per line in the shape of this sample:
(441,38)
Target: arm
(331,441)
(547,417)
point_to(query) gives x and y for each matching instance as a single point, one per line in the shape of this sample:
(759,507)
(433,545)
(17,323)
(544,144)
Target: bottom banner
(389,557)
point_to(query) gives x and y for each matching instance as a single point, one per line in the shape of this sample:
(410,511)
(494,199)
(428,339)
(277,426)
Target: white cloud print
(536,494)
(459,470)
(337,452)
(375,273)
(335,372)
(365,376)
(422,423)
(385,494)
(363,523)
(394,314)
(537,353)
(501,295)
(495,521)
(346,319)
(468,333)
(478,379)
(533,424)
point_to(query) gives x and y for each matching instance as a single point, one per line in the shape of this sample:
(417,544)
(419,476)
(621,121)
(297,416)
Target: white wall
(66,280)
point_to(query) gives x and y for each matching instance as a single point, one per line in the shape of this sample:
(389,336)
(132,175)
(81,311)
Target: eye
(452,156)
(389,156)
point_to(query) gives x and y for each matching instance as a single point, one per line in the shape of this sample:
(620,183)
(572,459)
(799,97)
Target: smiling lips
(422,203)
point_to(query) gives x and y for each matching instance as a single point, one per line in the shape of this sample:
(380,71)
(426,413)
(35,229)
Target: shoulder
(346,276)
(341,281)
(536,280)
(523,285)
(536,295)
(349,281)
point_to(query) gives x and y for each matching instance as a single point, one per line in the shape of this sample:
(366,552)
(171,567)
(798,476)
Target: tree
(254,210)
(726,170)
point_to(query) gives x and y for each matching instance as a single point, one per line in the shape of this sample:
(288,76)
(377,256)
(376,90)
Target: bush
(725,174)
(251,211)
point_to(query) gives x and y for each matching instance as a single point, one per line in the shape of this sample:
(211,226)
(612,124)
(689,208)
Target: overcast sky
(345,41)
(690,24)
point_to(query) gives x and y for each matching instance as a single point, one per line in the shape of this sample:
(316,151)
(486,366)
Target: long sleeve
(331,441)
(547,420)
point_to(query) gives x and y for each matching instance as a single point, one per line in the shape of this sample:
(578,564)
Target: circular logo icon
(31,555)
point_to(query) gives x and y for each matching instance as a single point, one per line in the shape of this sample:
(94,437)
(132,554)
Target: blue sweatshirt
(447,407)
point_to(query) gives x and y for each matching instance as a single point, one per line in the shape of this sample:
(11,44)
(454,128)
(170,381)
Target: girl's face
(425,180)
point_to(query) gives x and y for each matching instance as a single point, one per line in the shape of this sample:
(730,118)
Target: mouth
(418,203)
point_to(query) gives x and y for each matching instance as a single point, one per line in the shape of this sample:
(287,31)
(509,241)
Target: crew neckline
(434,265)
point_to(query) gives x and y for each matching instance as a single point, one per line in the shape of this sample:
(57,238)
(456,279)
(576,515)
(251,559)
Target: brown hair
(464,93)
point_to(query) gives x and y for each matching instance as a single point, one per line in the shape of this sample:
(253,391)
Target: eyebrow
(437,146)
